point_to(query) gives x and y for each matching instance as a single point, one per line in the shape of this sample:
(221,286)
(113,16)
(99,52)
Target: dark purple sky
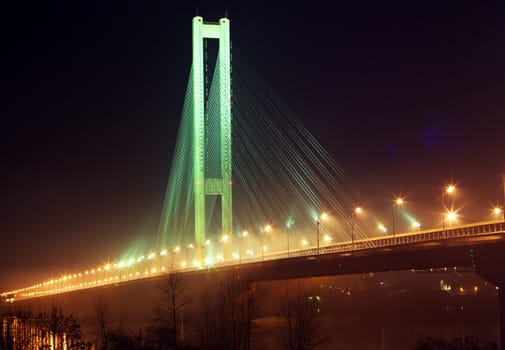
(404,96)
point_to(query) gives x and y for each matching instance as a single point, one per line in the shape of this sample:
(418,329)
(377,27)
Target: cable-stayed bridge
(250,187)
(418,250)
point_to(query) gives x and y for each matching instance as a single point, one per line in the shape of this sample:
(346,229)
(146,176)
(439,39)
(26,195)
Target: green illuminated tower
(203,185)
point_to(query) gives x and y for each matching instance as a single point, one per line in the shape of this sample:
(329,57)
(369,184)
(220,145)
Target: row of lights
(398,201)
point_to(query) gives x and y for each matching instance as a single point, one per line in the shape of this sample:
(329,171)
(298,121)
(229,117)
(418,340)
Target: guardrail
(474,229)
(79,282)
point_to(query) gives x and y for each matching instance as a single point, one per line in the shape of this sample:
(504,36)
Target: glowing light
(327,239)
(416,225)
(177,249)
(497,211)
(225,238)
(207,242)
(151,256)
(249,252)
(324,216)
(399,201)
(183,264)
(268,228)
(450,189)
(451,215)
(163,252)
(358,210)
(305,242)
(235,256)
(107,267)
(220,257)
(245,234)
(382,228)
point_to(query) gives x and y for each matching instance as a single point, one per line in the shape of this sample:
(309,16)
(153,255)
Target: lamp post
(188,247)
(451,215)
(449,189)
(176,250)
(206,244)
(323,217)
(225,249)
(356,210)
(266,229)
(240,236)
(502,208)
(287,234)
(397,202)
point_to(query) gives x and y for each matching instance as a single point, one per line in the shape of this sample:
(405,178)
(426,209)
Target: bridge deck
(366,255)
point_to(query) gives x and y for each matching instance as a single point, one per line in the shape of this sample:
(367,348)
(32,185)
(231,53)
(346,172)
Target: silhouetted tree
(60,328)
(228,314)
(103,317)
(300,311)
(167,329)
(7,331)
(23,330)
(117,339)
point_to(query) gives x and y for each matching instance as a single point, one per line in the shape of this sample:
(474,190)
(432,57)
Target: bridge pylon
(203,185)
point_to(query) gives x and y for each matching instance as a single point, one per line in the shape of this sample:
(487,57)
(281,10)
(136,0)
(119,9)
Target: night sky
(406,97)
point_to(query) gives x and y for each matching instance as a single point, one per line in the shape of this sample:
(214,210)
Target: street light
(451,215)
(266,229)
(240,236)
(323,216)
(449,189)
(497,211)
(188,247)
(358,211)
(397,203)
(382,228)
(205,245)
(176,250)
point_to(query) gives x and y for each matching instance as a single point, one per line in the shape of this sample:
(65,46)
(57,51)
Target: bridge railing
(436,236)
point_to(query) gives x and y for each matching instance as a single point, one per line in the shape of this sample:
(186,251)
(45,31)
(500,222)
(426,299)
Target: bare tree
(103,317)
(167,329)
(228,314)
(300,311)
(48,330)
(60,328)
